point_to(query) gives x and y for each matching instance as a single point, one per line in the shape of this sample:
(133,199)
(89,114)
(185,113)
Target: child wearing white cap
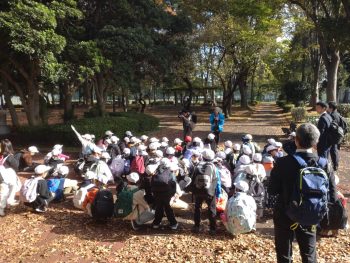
(86,142)
(25,159)
(43,195)
(9,185)
(141,212)
(210,142)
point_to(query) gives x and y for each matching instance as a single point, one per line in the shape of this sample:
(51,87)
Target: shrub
(288,107)
(254,103)
(312,119)
(298,114)
(344,110)
(281,103)
(62,133)
(297,92)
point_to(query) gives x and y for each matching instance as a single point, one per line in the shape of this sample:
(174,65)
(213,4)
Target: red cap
(188,139)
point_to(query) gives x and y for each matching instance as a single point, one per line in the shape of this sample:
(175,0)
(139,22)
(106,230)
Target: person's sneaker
(40,210)
(155,226)
(174,227)
(195,229)
(134,225)
(2,212)
(14,203)
(212,232)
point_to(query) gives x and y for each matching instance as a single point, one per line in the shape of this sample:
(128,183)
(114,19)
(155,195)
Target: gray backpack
(202,181)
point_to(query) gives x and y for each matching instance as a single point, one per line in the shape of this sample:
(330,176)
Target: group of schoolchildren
(150,177)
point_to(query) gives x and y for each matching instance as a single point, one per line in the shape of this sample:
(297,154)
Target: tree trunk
(244,93)
(9,104)
(315,83)
(100,93)
(332,76)
(175,98)
(68,113)
(346,4)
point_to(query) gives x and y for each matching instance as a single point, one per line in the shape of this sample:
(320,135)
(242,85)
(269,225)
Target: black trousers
(334,153)
(284,236)
(217,137)
(162,204)
(209,200)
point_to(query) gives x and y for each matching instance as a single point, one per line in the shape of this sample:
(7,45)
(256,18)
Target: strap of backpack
(300,160)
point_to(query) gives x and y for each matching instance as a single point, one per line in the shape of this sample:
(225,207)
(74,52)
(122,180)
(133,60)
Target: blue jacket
(219,126)
(55,185)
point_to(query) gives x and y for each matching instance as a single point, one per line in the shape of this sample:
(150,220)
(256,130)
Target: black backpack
(335,133)
(336,217)
(163,181)
(103,205)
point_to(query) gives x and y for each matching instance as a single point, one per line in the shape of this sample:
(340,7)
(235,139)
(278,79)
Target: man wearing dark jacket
(282,183)
(334,150)
(323,125)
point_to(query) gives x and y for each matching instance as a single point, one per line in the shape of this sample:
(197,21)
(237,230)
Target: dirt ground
(65,234)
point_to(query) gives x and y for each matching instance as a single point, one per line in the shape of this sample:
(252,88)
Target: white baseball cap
(278,144)
(244,159)
(133,177)
(108,133)
(221,155)
(159,153)
(142,147)
(271,141)
(170,151)
(228,144)
(257,157)
(165,162)
(63,170)
(153,140)
(41,169)
(196,153)
(126,139)
(58,146)
(248,137)
(33,149)
(126,151)
(197,139)
(271,148)
(250,169)
(247,150)
(208,154)
(153,146)
(165,139)
(133,139)
(56,152)
(237,147)
(114,139)
(242,185)
(164,144)
(102,178)
(128,133)
(211,136)
(177,141)
(144,138)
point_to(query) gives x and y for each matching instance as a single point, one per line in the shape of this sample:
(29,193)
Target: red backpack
(138,165)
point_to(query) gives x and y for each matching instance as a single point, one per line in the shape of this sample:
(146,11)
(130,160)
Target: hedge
(288,107)
(344,110)
(62,133)
(299,114)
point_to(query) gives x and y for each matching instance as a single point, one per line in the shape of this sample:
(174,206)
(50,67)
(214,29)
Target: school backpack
(336,218)
(138,165)
(240,214)
(335,133)
(202,181)
(123,206)
(78,166)
(103,206)
(28,192)
(308,204)
(257,191)
(117,166)
(163,181)
(79,196)
(90,166)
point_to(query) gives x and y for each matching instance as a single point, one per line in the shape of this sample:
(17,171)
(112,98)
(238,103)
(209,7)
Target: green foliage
(344,110)
(299,114)
(62,133)
(281,103)
(297,92)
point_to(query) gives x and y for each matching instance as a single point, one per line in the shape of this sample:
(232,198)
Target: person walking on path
(334,150)
(323,125)
(217,121)
(188,122)
(283,182)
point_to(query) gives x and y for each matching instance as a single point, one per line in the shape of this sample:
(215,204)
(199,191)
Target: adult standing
(188,121)
(217,121)
(323,125)
(282,183)
(334,150)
